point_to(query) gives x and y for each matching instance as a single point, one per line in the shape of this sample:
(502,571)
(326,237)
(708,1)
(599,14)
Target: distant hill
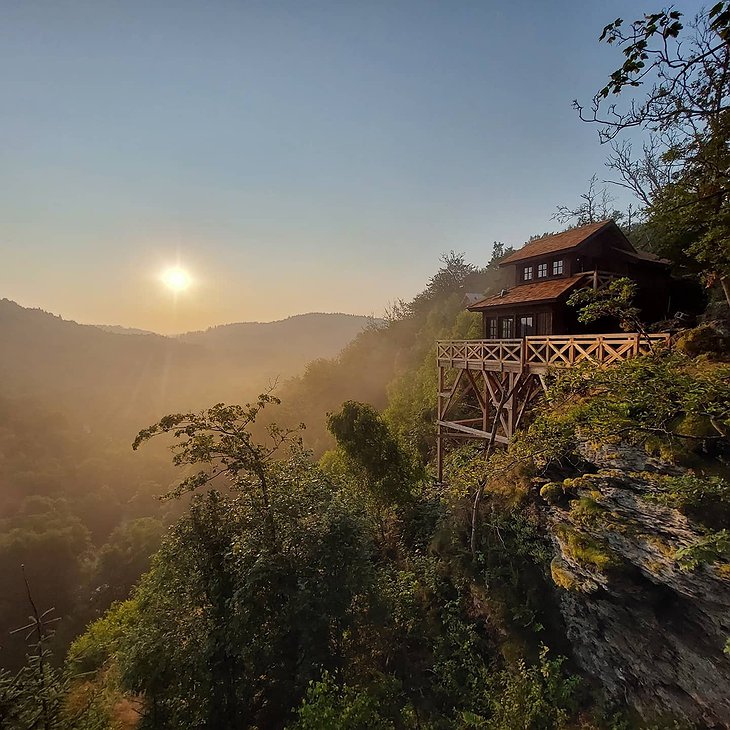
(125,380)
(119,330)
(294,341)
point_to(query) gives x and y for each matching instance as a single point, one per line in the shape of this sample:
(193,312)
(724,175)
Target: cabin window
(507,329)
(527,325)
(492,328)
(557,267)
(541,271)
(527,273)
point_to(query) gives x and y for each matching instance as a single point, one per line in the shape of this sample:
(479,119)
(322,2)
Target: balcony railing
(543,351)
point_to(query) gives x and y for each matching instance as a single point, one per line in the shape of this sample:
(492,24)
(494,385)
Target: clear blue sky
(295,156)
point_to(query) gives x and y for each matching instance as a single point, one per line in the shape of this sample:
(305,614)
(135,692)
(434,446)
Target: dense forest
(79,509)
(304,568)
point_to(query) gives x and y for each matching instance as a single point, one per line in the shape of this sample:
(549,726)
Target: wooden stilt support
(500,379)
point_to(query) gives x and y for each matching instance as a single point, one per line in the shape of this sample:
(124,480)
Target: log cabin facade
(547,270)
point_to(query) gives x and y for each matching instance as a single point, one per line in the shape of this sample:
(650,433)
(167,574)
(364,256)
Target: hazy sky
(294,156)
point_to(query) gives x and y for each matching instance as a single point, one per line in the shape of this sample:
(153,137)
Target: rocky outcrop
(650,630)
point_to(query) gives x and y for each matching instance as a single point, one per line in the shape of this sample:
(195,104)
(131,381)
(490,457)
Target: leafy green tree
(451,277)
(682,176)
(388,470)
(259,622)
(252,592)
(220,441)
(328,706)
(615,301)
(529,697)
(660,401)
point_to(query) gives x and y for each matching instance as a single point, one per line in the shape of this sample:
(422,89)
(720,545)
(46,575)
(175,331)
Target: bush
(530,697)
(328,705)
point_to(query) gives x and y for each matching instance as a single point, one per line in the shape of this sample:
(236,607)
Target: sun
(176,279)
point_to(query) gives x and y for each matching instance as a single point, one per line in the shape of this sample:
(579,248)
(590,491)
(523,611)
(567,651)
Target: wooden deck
(483,381)
(539,353)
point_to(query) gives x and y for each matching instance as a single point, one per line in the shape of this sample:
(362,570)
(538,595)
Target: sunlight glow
(176,279)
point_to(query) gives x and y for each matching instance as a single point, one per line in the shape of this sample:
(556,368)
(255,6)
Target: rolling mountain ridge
(100,374)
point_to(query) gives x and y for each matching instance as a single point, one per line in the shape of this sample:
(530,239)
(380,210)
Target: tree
(220,441)
(499,251)
(33,697)
(682,175)
(388,471)
(615,301)
(259,580)
(596,205)
(451,277)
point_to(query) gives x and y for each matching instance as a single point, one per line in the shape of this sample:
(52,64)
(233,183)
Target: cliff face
(650,627)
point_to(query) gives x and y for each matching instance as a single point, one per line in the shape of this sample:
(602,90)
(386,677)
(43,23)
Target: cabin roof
(556,242)
(541,291)
(644,256)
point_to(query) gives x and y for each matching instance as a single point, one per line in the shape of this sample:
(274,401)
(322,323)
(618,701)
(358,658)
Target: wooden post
(485,410)
(439,430)
(511,380)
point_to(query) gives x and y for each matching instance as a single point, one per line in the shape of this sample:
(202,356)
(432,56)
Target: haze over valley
(364,366)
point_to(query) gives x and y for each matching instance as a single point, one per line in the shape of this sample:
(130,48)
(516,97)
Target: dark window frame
(523,319)
(542,270)
(527,273)
(510,322)
(558,267)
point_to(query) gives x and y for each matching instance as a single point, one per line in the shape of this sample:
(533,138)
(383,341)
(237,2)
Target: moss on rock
(552,492)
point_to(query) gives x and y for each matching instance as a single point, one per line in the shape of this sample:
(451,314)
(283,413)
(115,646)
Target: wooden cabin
(547,270)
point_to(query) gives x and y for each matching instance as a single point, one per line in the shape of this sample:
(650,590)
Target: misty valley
(351,379)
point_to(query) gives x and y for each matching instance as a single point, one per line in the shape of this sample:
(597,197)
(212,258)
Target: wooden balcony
(538,353)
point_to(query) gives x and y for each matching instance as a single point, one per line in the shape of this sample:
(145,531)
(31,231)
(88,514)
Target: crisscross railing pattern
(478,351)
(548,350)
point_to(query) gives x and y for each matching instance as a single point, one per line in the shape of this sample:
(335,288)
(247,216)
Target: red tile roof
(540,291)
(557,242)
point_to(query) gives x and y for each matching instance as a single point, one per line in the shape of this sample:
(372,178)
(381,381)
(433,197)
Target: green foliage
(99,644)
(681,179)
(259,619)
(328,705)
(712,548)
(33,696)
(388,470)
(451,277)
(643,400)
(615,301)
(412,396)
(220,440)
(533,697)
